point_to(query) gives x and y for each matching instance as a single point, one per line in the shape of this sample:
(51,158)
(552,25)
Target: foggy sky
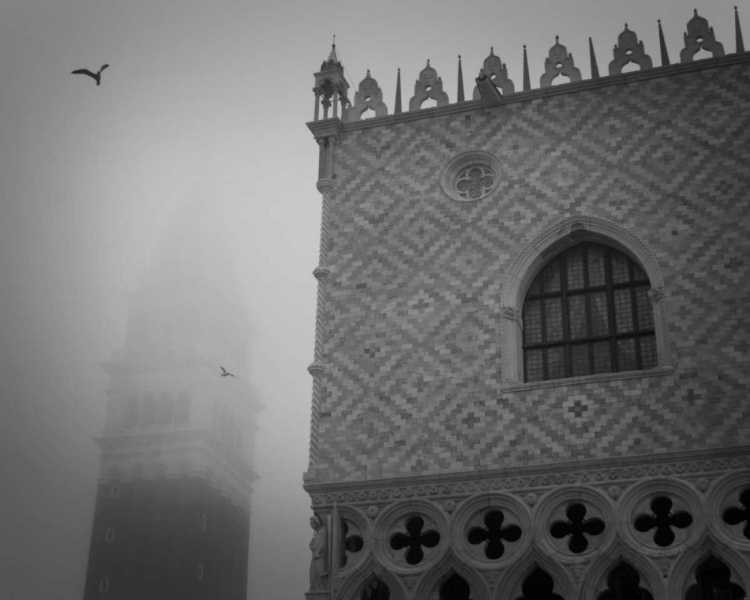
(207,98)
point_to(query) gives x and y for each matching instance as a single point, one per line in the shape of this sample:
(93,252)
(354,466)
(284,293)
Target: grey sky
(203,98)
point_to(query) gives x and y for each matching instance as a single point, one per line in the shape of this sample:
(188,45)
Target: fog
(203,102)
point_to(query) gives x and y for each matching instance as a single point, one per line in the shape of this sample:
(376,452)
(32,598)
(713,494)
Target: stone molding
(555,90)
(604,474)
(665,572)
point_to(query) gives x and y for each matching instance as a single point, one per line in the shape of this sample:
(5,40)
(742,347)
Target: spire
(594,66)
(397,106)
(663,46)
(460,81)
(526,80)
(333,57)
(738,32)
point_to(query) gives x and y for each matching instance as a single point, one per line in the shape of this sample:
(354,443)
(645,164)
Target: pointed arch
(541,249)
(355,584)
(595,581)
(429,586)
(510,585)
(685,568)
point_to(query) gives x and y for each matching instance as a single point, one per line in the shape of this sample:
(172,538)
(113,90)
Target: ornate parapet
(429,85)
(628,49)
(559,62)
(699,36)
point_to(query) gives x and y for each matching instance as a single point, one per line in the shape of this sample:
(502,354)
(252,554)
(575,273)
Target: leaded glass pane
(551,276)
(580,359)
(626,354)
(574,260)
(620,272)
(532,321)
(569,330)
(534,365)
(555,363)
(602,357)
(577,312)
(623,310)
(648,352)
(596,265)
(599,313)
(553,315)
(645,311)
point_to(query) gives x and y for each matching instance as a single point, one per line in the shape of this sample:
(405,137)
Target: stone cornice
(557,90)
(326,128)
(527,477)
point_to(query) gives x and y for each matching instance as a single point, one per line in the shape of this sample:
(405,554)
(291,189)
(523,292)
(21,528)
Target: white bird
(225,373)
(97,76)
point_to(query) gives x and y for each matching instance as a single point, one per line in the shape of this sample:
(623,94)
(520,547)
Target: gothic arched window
(587,312)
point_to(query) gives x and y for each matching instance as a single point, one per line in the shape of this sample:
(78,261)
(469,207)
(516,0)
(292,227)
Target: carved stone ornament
(531,499)
(614,492)
(699,36)
(559,62)
(369,96)
(629,49)
(372,511)
(655,294)
(321,273)
(496,70)
(512,313)
(429,85)
(316,369)
(449,506)
(319,564)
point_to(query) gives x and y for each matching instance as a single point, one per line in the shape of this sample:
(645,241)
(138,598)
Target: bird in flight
(97,76)
(225,373)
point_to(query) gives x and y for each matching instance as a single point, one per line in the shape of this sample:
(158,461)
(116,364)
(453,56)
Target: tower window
(109,535)
(114,490)
(103,585)
(199,573)
(587,312)
(204,522)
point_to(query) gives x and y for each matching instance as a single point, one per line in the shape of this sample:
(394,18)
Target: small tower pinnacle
(526,79)
(330,86)
(663,47)
(460,94)
(738,32)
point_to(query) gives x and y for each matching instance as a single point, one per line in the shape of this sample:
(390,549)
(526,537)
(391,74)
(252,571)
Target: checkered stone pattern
(413,380)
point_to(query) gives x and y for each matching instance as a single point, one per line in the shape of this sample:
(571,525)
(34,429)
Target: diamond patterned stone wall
(412,349)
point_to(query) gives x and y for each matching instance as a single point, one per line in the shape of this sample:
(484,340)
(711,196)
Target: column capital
(321,273)
(316,369)
(326,185)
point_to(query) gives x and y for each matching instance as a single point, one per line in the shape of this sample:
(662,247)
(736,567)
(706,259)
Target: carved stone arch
(553,507)
(511,582)
(428,587)
(354,584)
(393,519)
(723,494)
(541,249)
(469,513)
(364,525)
(685,567)
(595,581)
(636,499)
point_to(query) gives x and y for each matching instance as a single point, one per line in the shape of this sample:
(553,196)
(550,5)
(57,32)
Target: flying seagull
(225,373)
(97,76)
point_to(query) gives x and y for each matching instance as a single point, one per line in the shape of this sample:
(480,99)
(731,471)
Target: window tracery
(588,312)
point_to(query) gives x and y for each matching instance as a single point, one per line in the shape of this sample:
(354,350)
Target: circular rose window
(470,176)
